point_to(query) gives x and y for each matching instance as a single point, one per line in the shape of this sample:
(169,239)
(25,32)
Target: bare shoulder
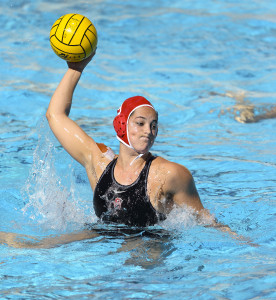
(170,170)
(177,184)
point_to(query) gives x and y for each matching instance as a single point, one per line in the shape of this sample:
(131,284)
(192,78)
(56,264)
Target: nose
(147,129)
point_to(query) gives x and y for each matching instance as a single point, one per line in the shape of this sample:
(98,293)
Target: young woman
(134,187)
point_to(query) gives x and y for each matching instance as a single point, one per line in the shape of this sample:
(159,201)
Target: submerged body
(168,184)
(153,186)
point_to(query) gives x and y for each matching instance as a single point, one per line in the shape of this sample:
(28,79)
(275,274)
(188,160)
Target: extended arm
(27,241)
(181,187)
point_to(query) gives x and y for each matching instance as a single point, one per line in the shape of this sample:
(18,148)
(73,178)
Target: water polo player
(133,188)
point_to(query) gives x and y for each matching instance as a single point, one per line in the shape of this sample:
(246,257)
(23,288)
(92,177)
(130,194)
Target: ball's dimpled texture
(73,37)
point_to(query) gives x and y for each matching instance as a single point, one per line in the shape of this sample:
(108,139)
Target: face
(142,128)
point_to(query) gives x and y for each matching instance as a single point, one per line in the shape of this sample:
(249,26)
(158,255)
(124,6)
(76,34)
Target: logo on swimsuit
(117,203)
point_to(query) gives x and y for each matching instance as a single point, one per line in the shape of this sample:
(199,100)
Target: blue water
(202,64)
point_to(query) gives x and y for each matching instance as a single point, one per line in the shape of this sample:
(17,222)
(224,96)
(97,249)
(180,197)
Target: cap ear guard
(119,124)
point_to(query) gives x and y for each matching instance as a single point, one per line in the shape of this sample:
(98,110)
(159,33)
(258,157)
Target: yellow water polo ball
(73,37)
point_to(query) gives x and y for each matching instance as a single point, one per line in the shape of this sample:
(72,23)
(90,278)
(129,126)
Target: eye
(140,123)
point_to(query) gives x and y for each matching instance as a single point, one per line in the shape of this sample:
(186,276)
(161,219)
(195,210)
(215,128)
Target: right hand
(80,65)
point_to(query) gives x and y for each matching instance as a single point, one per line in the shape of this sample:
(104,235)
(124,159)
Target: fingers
(80,65)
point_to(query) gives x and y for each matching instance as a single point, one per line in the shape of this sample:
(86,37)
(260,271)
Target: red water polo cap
(120,122)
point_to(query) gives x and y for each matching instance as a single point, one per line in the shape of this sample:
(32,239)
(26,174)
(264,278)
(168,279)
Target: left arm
(181,188)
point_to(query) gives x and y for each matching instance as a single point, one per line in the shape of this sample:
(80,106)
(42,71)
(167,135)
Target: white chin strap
(131,147)
(138,156)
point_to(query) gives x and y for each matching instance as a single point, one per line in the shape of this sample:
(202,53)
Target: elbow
(48,115)
(54,118)
(51,116)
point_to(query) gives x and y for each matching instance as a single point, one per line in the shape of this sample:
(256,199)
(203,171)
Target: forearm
(222,227)
(61,101)
(225,228)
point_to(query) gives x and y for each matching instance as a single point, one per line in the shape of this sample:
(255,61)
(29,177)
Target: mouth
(145,138)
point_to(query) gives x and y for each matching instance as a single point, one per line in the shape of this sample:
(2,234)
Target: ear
(119,124)
(156,131)
(157,124)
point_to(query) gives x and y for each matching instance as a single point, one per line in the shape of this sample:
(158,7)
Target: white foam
(49,202)
(184,218)
(180,218)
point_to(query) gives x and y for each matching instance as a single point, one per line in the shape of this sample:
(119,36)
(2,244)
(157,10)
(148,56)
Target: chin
(143,150)
(143,147)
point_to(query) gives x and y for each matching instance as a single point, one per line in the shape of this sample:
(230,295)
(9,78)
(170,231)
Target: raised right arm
(74,140)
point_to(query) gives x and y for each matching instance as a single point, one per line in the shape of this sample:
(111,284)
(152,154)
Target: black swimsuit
(125,204)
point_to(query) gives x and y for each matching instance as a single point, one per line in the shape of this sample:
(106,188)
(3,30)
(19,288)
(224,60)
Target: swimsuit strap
(145,171)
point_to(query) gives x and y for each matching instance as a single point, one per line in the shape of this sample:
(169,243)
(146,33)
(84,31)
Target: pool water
(203,64)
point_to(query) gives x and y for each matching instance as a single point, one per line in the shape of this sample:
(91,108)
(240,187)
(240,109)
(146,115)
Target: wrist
(75,68)
(74,72)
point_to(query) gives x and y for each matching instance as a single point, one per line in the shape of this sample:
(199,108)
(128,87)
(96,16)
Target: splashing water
(49,202)
(182,218)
